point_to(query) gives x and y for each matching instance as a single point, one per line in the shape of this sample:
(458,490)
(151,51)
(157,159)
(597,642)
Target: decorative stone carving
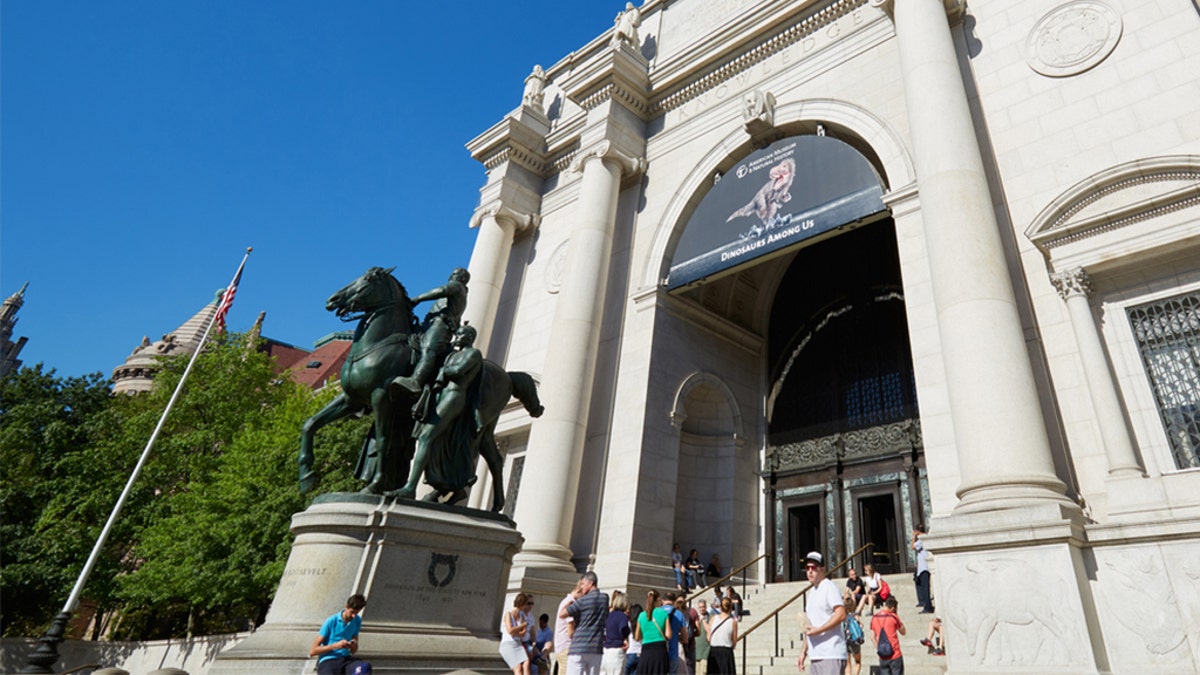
(1072,38)
(1033,627)
(535,87)
(556,268)
(625,27)
(1072,282)
(1140,598)
(519,220)
(877,441)
(606,150)
(758,111)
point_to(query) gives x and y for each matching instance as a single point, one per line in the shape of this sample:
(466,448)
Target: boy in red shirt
(889,622)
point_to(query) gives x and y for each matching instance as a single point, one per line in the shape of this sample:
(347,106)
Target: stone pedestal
(434,578)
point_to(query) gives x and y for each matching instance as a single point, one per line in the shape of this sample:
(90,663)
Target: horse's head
(376,288)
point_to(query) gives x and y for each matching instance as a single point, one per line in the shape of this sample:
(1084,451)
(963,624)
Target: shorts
(342,665)
(853,647)
(828,667)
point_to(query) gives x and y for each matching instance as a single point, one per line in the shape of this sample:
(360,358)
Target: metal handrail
(725,578)
(808,587)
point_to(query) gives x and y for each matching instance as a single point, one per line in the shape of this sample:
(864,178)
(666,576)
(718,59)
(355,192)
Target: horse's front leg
(381,403)
(335,410)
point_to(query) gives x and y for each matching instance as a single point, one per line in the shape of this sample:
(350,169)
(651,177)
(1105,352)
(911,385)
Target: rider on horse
(440,324)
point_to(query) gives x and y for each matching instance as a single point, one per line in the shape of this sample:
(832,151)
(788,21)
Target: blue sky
(144,145)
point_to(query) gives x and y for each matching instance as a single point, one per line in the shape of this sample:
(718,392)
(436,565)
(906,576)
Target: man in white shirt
(826,611)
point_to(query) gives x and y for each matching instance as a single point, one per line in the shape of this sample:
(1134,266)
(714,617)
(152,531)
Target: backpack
(885,591)
(854,631)
(884,649)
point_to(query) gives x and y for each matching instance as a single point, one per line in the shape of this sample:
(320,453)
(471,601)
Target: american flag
(227,301)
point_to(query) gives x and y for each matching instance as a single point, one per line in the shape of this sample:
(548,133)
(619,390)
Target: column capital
(1072,282)
(506,215)
(954,8)
(629,164)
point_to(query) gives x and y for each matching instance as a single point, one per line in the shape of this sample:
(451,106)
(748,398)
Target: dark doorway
(804,533)
(877,520)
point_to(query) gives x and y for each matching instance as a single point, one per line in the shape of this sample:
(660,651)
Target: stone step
(762,657)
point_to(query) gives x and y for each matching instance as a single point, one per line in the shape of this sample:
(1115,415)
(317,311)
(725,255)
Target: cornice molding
(519,138)
(689,86)
(954,8)
(619,74)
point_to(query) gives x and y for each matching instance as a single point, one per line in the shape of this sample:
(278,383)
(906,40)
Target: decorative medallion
(440,559)
(555,268)
(1072,38)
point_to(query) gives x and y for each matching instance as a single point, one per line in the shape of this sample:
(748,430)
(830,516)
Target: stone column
(497,224)
(1074,286)
(1002,446)
(556,441)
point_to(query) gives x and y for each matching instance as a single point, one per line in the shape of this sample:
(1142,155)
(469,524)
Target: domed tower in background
(137,373)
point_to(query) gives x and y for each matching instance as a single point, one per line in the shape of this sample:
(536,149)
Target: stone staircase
(761,657)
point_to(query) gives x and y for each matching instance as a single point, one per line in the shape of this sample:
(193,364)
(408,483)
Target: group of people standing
(596,633)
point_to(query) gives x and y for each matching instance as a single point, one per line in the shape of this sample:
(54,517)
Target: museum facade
(801,274)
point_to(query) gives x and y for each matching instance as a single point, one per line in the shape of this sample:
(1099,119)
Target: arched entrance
(843,441)
(802,221)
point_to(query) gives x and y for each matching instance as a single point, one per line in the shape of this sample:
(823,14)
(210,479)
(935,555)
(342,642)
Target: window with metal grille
(1168,337)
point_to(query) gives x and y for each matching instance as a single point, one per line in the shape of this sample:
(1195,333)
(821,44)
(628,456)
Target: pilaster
(1074,287)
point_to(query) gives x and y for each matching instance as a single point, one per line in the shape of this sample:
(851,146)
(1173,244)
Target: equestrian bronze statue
(441,404)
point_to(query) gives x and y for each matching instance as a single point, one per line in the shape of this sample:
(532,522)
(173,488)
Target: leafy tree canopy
(202,540)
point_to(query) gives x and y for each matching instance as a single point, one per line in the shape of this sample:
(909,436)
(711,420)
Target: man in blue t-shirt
(338,641)
(677,630)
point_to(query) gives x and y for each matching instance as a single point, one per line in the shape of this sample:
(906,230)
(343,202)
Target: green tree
(45,420)
(202,540)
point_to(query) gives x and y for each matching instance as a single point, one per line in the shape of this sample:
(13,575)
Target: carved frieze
(877,441)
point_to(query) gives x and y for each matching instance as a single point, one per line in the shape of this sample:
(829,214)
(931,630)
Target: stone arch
(715,486)
(695,381)
(863,130)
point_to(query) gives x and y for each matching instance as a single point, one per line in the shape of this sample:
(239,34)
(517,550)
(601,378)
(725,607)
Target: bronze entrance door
(804,534)
(877,524)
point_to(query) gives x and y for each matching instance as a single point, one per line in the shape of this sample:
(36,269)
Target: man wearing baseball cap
(826,611)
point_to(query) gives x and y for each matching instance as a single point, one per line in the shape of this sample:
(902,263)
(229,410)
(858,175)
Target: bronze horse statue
(385,348)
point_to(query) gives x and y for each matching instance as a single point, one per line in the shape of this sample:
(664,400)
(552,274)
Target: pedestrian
(616,635)
(563,629)
(886,625)
(722,638)
(588,610)
(337,641)
(653,629)
(827,647)
(513,628)
(921,576)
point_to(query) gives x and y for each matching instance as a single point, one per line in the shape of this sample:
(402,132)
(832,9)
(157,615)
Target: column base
(1016,492)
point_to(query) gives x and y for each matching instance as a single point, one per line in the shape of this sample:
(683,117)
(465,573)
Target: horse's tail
(525,391)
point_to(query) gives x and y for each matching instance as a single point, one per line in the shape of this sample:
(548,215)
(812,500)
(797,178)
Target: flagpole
(45,656)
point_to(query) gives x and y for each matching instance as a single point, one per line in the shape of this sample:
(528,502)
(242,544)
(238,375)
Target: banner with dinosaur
(788,192)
